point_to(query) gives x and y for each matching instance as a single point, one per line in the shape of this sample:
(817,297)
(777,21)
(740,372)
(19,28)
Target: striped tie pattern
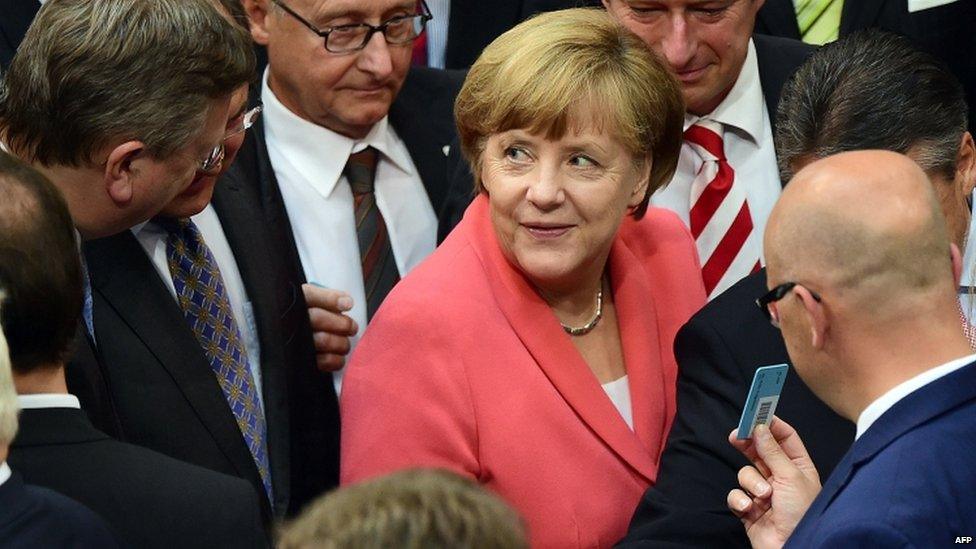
(720,220)
(968,329)
(818,20)
(202,296)
(379,266)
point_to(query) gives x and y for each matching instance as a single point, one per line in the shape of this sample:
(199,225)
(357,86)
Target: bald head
(864,224)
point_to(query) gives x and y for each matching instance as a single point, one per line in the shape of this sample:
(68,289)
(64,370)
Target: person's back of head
(92,76)
(859,244)
(410,509)
(874,90)
(40,270)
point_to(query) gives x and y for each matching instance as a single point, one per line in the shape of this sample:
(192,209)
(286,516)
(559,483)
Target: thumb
(769,450)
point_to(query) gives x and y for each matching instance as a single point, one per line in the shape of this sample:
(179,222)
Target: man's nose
(678,45)
(375,57)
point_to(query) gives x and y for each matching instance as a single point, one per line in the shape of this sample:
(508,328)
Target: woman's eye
(515,153)
(582,161)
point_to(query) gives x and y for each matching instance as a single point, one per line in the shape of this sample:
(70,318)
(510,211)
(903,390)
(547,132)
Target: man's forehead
(330,9)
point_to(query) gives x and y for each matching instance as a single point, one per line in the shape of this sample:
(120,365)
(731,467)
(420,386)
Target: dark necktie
(203,298)
(376,254)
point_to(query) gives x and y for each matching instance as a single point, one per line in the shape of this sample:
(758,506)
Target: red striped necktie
(379,266)
(720,219)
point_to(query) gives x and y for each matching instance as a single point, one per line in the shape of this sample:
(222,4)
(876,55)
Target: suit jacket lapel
(539,330)
(246,241)
(778,18)
(117,265)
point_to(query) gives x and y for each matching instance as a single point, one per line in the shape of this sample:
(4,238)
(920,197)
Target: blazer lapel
(539,330)
(640,337)
(117,265)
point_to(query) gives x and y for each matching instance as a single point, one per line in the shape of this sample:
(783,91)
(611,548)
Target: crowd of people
(270,275)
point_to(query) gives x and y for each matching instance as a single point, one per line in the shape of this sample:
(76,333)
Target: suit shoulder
(782,48)
(737,303)
(425,83)
(58,519)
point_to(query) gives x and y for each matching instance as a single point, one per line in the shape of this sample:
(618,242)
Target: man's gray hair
(871,90)
(8,395)
(92,73)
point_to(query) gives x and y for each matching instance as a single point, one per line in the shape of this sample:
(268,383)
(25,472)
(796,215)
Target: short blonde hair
(8,395)
(413,509)
(541,75)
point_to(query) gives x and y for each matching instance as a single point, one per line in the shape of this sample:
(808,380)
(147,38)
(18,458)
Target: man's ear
(966,164)
(956,256)
(816,317)
(121,170)
(257,15)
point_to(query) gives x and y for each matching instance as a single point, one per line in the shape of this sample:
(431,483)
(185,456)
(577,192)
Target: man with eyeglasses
(353,156)
(865,91)
(863,277)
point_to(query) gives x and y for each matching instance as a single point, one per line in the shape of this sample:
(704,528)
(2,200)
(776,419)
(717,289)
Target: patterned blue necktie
(203,298)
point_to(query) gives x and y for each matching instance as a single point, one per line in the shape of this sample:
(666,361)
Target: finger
(330,363)
(748,448)
(752,481)
(788,439)
(744,507)
(331,344)
(333,323)
(336,301)
(772,454)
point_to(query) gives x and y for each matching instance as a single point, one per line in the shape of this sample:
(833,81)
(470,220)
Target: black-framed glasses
(776,294)
(215,160)
(402,29)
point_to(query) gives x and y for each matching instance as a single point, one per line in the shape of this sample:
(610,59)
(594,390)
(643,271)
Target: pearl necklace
(588,327)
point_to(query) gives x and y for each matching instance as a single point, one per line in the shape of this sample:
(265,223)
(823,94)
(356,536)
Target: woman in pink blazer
(532,350)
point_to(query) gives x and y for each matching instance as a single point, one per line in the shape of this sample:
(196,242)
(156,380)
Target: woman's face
(556,204)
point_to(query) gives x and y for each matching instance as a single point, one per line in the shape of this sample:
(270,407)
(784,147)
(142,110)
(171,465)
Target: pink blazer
(465,367)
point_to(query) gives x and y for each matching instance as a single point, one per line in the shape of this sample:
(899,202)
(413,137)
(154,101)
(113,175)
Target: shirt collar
(4,472)
(47,400)
(877,408)
(320,150)
(969,254)
(743,107)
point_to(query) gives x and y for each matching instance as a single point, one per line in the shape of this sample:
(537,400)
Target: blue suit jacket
(908,480)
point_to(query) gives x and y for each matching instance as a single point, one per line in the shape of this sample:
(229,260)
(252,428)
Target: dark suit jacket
(149,499)
(908,480)
(37,517)
(718,351)
(15,17)
(475,23)
(422,115)
(163,390)
(945,31)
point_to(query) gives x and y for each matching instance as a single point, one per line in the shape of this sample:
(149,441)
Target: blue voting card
(760,406)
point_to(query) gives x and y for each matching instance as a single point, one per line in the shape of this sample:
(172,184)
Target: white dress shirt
(308,161)
(967,279)
(877,408)
(152,238)
(4,472)
(47,400)
(437,32)
(748,143)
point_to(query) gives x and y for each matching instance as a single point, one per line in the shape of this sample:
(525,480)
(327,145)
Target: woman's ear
(121,170)
(643,180)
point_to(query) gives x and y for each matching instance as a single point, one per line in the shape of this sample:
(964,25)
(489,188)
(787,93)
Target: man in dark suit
(353,157)
(150,500)
(17,16)
(726,181)
(944,30)
(877,76)
(864,292)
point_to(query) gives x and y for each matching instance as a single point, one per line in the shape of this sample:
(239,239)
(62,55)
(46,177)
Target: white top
(748,143)
(437,32)
(968,276)
(877,408)
(152,237)
(308,160)
(4,472)
(619,393)
(48,400)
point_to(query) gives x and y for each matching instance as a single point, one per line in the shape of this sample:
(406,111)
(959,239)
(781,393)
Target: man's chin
(192,200)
